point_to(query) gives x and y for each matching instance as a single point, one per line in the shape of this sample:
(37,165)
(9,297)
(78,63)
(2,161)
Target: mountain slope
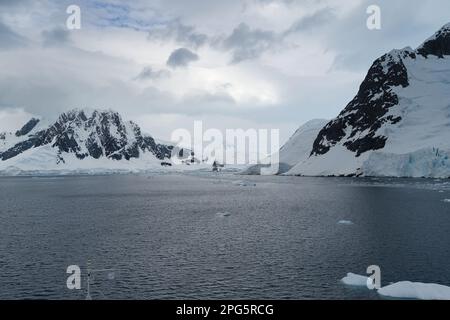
(398,124)
(81,139)
(296,149)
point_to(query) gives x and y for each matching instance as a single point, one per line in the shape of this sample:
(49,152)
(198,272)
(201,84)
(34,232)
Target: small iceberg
(223,214)
(244,183)
(416,290)
(345,222)
(447,200)
(357,280)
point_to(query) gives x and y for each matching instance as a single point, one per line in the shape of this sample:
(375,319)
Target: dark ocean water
(277,239)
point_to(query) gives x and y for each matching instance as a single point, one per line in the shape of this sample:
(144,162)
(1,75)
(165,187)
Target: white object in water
(223,214)
(346,222)
(244,184)
(353,279)
(416,290)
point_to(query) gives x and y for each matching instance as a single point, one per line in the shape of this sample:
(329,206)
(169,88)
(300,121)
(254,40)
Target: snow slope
(298,147)
(399,122)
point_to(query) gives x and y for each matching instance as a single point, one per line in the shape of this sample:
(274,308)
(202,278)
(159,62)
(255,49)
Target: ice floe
(416,290)
(353,279)
(223,214)
(402,289)
(345,222)
(241,183)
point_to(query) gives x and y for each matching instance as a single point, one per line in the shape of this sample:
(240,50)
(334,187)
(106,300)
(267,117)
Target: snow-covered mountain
(398,124)
(81,140)
(297,148)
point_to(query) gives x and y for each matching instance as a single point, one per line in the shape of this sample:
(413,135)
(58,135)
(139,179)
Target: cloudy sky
(165,63)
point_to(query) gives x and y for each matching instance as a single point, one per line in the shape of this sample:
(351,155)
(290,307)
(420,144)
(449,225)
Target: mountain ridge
(401,110)
(81,134)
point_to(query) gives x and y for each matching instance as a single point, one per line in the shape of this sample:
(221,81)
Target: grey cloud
(312,21)
(181,33)
(14,3)
(246,43)
(148,73)
(243,42)
(10,39)
(55,37)
(181,58)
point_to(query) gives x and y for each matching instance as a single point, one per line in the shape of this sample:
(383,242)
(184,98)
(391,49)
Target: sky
(271,64)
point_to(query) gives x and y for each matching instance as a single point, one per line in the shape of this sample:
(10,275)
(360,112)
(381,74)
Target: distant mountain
(82,139)
(297,148)
(398,124)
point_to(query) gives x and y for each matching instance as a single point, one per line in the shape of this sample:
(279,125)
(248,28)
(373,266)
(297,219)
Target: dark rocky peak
(26,129)
(75,115)
(367,111)
(87,118)
(356,126)
(437,45)
(386,72)
(95,134)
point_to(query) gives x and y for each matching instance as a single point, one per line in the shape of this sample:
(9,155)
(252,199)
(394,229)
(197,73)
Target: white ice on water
(223,214)
(352,279)
(241,183)
(403,289)
(416,290)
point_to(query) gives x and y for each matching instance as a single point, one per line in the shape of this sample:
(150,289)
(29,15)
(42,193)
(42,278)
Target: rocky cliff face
(360,120)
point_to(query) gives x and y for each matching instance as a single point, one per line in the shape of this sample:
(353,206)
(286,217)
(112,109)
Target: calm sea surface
(223,236)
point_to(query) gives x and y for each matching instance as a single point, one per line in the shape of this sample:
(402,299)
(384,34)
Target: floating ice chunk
(353,279)
(223,214)
(244,183)
(416,290)
(346,222)
(447,200)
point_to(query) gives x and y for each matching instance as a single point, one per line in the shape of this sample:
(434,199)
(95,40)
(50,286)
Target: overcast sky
(233,64)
